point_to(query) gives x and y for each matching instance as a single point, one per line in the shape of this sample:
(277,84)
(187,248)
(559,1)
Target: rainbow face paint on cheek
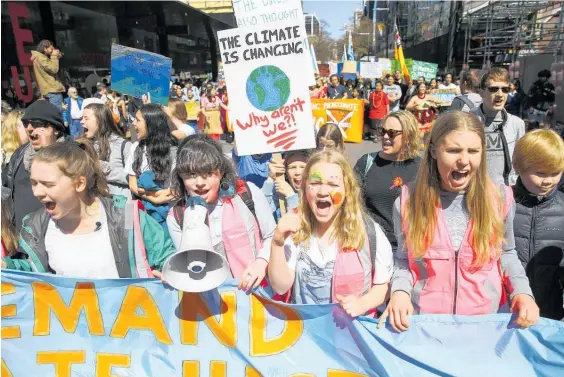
(337,198)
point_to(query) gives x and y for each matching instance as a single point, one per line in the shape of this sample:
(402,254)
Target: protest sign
(192,109)
(56,326)
(347,114)
(137,72)
(385,65)
(250,13)
(269,98)
(370,70)
(427,70)
(445,95)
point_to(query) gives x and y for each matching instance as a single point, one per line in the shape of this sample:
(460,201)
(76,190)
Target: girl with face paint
(322,254)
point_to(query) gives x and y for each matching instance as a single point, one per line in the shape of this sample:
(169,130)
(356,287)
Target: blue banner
(136,72)
(53,326)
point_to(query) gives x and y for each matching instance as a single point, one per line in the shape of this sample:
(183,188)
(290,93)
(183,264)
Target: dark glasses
(391,133)
(34,123)
(495,89)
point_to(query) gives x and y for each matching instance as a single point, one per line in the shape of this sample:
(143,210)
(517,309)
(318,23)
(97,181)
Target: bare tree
(324,44)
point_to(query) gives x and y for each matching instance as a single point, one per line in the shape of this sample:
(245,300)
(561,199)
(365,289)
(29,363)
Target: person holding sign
(331,251)
(176,111)
(79,231)
(240,219)
(456,246)
(211,104)
(291,168)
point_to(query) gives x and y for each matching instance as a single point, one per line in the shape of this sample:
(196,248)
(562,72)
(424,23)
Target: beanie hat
(90,101)
(45,111)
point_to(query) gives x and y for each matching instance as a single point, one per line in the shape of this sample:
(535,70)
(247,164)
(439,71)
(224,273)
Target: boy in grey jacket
(502,129)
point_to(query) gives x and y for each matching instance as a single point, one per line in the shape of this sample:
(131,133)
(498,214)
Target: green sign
(427,70)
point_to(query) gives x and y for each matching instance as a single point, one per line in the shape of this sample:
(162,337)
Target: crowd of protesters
(472,224)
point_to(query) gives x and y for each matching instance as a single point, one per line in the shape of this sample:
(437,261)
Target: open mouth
(297,183)
(498,101)
(387,143)
(460,175)
(50,206)
(85,129)
(323,205)
(33,137)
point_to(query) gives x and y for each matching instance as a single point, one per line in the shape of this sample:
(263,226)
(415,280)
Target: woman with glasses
(383,173)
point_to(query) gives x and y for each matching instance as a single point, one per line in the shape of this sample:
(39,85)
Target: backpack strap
(242,189)
(464,98)
(178,212)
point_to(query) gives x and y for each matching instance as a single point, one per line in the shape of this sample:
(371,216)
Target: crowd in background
(469,223)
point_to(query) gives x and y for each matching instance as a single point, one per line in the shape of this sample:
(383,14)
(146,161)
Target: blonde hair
(483,200)
(410,133)
(10,137)
(542,149)
(77,159)
(349,222)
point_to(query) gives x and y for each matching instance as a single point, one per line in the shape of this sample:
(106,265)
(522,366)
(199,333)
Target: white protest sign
(385,65)
(370,70)
(249,13)
(269,105)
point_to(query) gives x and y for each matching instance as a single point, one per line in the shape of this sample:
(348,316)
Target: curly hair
(199,154)
(106,127)
(157,144)
(349,223)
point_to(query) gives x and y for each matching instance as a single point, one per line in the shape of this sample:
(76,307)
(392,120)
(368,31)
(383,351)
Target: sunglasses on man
(391,133)
(495,89)
(35,123)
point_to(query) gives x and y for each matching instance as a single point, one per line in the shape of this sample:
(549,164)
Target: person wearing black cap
(44,125)
(541,99)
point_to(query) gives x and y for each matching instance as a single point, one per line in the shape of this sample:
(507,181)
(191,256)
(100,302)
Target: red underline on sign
(286,147)
(282,136)
(285,141)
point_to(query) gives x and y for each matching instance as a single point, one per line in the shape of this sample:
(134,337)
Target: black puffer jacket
(539,240)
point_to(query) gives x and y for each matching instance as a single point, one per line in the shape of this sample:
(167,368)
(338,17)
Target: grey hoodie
(496,155)
(114,168)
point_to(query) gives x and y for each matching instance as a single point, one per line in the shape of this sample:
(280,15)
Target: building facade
(312,25)
(84,31)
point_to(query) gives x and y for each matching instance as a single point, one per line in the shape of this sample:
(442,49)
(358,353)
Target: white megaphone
(196,267)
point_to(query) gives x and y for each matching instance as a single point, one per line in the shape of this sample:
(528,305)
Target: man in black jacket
(44,125)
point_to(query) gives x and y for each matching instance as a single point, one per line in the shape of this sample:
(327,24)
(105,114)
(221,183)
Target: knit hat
(45,111)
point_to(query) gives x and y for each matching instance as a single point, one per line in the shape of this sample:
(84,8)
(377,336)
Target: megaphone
(196,267)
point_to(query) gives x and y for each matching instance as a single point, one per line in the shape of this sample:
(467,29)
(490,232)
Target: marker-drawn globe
(268,88)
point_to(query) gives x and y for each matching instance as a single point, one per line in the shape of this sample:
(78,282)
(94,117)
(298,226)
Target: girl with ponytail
(81,230)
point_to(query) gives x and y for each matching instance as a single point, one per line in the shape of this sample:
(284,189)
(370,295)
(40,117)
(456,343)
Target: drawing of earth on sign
(268,88)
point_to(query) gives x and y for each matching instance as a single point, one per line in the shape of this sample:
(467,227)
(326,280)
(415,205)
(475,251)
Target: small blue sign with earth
(268,88)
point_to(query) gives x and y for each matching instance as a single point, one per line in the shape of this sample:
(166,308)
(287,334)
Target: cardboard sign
(252,13)
(347,114)
(370,70)
(350,66)
(192,109)
(137,72)
(269,103)
(385,66)
(427,70)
